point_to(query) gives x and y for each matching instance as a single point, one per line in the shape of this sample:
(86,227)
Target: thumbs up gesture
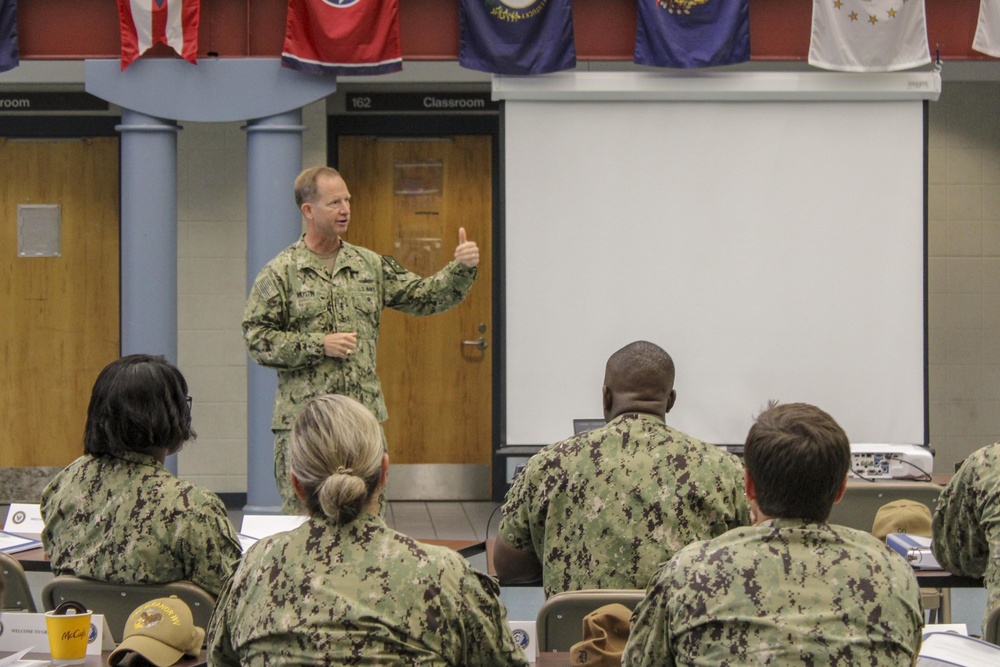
(467,251)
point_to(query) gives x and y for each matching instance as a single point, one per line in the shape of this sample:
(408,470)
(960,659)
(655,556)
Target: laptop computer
(584,425)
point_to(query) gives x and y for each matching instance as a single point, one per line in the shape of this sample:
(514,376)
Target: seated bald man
(605,508)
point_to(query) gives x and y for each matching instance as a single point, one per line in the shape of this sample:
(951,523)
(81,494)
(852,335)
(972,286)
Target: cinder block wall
(211,257)
(963,270)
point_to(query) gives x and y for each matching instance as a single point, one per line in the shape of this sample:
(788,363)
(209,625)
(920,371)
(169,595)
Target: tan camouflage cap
(902,516)
(162,631)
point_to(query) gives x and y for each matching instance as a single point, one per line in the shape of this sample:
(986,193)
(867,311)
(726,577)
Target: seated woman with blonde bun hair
(345,589)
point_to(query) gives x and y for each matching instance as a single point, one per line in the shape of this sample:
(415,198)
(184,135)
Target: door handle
(480,343)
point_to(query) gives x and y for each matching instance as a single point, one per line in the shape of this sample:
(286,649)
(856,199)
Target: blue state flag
(516,36)
(8,35)
(692,33)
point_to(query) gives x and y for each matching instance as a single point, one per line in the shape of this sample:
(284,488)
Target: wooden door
(408,199)
(60,315)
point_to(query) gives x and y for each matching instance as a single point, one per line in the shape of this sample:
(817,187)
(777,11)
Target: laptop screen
(584,425)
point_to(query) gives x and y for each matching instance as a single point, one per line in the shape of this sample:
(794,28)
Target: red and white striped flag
(987,38)
(148,22)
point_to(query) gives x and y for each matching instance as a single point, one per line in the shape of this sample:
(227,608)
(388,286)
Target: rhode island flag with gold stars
(868,35)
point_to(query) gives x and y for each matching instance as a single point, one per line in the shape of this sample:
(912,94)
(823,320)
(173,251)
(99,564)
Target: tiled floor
(444,520)
(434,520)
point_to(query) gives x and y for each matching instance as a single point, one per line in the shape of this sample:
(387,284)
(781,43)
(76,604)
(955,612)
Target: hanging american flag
(342,37)
(987,38)
(148,22)
(868,35)
(8,35)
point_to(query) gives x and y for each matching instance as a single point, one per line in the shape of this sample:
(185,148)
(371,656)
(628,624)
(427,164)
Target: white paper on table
(16,661)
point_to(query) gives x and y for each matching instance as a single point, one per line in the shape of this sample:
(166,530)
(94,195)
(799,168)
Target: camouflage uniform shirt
(785,592)
(129,520)
(358,594)
(604,509)
(966,526)
(295,302)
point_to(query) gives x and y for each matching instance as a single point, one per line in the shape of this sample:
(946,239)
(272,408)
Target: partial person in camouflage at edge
(343,588)
(313,312)
(792,589)
(605,508)
(966,525)
(116,513)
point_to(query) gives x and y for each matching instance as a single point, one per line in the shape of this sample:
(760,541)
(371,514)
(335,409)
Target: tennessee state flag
(868,35)
(8,35)
(342,37)
(516,36)
(987,39)
(692,33)
(148,22)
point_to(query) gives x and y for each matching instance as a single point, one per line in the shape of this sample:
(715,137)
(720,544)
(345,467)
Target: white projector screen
(774,249)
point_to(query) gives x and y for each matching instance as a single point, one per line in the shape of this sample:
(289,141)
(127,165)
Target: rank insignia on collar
(393,264)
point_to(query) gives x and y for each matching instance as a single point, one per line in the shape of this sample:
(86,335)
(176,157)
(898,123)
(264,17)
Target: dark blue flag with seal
(8,35)
(516,36)
(692,33)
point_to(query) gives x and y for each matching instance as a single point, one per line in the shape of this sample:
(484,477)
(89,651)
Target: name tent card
(22,630)
(24,519)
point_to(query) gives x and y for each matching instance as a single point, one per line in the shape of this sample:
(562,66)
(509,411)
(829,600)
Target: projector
(884,461)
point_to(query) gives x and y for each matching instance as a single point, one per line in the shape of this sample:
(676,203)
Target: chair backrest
(16,594)
(991,627)
(118,601)
(560,619)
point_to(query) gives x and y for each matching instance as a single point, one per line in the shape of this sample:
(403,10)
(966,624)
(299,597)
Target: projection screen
(774,248)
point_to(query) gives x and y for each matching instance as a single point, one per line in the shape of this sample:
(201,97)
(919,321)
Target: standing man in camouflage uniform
(116,513)
(966,525)
(792,589)
(605,508)
(345,589)
(314,310)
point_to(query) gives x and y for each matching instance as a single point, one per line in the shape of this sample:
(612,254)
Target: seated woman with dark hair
(116,513)
(343,588)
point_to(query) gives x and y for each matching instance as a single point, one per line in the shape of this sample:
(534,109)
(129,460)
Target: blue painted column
(217,90)
(274,159)
(149,237)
